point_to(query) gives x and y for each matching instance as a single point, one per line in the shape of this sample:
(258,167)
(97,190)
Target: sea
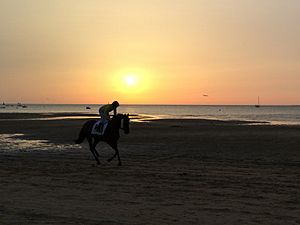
(277,115)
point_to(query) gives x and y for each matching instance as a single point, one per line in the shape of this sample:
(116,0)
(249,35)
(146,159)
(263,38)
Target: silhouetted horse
(111,135)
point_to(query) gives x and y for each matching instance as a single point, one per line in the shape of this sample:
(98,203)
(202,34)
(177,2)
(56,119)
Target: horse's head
(124,122)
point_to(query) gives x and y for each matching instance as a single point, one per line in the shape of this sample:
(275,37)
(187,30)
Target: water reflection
(133,118)
(14,142)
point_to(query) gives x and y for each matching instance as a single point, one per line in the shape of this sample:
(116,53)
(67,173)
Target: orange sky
(76,51)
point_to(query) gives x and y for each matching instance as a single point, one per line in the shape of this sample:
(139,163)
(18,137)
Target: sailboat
(258,103)
(2,106)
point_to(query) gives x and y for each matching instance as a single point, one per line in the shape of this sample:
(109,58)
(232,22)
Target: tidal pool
(15,142)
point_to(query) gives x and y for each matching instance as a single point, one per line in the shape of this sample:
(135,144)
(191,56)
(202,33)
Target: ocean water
(272,114)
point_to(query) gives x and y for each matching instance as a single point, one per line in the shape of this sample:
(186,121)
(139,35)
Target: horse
(110,136)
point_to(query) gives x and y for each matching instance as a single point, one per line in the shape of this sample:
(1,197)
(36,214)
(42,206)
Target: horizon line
(155,104)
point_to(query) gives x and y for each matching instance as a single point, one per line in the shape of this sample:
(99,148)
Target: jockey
(104,114)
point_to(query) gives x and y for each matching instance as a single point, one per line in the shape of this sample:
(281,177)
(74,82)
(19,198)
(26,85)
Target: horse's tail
(85,131)
(81,136)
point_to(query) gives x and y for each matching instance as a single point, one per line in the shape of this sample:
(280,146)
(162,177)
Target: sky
(150,52)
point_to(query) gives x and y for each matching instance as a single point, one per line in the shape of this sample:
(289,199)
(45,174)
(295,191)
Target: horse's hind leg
(115,147)
(94,147)
(90,140)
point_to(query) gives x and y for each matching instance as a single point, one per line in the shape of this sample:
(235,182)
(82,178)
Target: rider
(104,114)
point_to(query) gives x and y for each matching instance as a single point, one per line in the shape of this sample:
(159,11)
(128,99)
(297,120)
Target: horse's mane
(119,116)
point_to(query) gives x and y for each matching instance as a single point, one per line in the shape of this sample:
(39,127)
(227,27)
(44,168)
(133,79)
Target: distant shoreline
(98,104)
(137,117)
(134,117)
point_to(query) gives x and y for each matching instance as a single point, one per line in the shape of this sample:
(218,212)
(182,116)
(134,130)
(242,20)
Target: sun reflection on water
(15,142)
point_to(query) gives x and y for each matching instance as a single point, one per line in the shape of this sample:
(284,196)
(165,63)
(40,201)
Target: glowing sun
(131,85)
(130,80)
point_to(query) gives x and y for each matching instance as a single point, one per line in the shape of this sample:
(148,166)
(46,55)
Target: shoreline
(133,117)
(22,116)
(276,115)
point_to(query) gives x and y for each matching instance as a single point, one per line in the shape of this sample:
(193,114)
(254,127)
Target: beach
(174,171)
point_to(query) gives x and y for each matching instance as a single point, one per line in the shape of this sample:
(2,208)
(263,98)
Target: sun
(131,84)
(131,80)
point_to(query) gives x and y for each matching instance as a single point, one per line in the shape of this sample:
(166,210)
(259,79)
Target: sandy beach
(173,172)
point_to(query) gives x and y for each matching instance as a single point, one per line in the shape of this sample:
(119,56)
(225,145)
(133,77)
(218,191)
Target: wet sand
(173,172)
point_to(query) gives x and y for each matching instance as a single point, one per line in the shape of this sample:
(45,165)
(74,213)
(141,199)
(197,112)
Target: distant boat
(258,103)
(21,105)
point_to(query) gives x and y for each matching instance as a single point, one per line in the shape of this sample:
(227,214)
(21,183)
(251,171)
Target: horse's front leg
(90,140)
(114,145)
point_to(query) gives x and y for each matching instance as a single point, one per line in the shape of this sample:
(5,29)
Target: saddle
(99,128)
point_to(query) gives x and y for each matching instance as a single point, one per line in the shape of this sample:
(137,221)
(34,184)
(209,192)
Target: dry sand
(174,172)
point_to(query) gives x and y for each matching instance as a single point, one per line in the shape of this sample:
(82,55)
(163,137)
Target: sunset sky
(150,52)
